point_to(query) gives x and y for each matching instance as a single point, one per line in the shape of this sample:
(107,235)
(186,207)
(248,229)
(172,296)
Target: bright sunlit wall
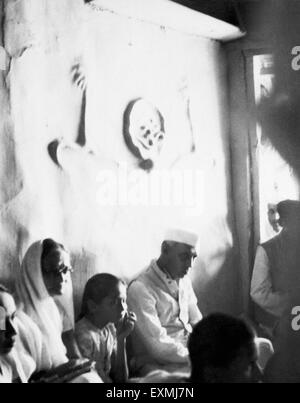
(123,58)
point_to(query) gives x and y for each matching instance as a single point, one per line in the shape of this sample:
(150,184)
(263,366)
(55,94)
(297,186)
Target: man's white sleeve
(261,286)
(148,327)
(194,313)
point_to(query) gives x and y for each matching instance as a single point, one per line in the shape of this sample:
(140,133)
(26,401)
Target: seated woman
(44,273)
(104,326)
(20,342)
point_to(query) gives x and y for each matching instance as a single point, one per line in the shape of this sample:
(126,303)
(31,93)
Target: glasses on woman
(59,270)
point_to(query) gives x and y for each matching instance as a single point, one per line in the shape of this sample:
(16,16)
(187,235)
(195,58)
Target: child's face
(115,304)
(112,307)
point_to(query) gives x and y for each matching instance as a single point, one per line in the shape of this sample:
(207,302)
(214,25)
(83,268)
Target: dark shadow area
(52,150)
(85,267)
(219,294)
(225,10)
(81,138)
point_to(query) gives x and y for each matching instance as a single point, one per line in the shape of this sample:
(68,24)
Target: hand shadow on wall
(79,79)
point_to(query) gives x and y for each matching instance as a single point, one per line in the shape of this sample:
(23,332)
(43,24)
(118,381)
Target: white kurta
(166,311)
(97,345)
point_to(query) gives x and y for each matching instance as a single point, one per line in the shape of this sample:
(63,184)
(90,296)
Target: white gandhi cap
(181,236)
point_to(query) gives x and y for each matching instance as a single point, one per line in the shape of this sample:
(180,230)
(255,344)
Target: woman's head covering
(40,306)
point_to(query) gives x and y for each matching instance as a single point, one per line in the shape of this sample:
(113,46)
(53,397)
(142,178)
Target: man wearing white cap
(166,307)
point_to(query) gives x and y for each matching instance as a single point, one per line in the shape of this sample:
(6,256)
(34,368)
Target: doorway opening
(275,180)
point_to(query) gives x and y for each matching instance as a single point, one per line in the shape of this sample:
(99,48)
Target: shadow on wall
(218,280)
(217,288)
(85,266)
(12,250)
(187,68)
(280,113)
(225,265)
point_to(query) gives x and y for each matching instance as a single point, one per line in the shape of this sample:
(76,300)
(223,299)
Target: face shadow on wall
(144,132)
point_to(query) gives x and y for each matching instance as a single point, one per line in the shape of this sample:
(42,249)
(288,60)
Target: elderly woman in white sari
(20,342)
(44,274)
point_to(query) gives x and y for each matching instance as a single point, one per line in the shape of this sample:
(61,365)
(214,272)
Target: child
(104,326)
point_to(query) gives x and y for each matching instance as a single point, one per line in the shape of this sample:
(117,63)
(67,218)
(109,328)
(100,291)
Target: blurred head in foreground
(222,350)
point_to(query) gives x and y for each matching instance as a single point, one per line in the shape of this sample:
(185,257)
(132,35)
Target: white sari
(41,308)
(26,356)
(35,300)
(6,372)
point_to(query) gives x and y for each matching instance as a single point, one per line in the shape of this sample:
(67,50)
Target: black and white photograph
(150,194)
